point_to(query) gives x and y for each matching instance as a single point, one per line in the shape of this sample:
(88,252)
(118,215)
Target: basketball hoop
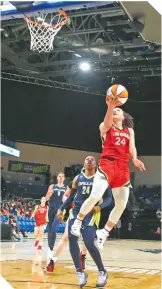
(43,30)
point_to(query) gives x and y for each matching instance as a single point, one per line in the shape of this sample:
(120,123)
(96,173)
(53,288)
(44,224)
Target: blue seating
(28,224)
(31,227)
(61,228)
(46,229)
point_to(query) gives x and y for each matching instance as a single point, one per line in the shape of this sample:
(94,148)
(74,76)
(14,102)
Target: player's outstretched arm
(49,192)
(133,151)
(108,120)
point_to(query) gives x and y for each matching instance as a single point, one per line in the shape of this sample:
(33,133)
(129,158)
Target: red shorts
(116,171)
(39,223)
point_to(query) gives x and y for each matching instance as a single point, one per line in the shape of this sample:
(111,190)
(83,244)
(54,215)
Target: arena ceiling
(102,36)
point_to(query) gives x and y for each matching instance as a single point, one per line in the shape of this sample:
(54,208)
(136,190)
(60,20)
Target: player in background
(54,197)
(64,240)
(118,146)
(81,188)
(41,219)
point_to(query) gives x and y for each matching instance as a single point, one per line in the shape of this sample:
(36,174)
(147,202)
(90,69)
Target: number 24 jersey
(116,144)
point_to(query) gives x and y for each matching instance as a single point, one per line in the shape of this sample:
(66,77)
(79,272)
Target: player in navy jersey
(64,240)
(54,197)
(81,188)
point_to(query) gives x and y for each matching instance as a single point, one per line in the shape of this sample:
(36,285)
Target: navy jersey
(78,196)
(84,188)
(56,199)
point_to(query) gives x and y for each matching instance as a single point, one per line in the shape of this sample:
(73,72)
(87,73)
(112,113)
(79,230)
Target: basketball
(117,90)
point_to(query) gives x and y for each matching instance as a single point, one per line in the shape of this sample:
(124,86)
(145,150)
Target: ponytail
(128,120)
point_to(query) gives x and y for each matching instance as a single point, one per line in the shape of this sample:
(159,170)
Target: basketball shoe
(39,248)
(76,227)
(102,279)
(82,278)
(50,267)
(101,238)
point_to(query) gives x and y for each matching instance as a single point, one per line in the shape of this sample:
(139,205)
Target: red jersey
(116,144)
(40,216)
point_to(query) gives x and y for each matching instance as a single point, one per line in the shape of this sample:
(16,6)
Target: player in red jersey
(41,219)
(118,146)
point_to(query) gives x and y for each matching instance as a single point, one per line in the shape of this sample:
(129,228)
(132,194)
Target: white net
(43,30)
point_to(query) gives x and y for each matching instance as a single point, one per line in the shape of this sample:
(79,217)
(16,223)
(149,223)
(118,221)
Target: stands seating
(28,224)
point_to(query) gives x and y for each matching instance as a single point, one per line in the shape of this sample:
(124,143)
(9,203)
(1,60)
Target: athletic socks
(107,229)
(54,259)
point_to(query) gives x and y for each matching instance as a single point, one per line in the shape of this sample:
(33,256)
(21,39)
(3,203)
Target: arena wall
(58,158)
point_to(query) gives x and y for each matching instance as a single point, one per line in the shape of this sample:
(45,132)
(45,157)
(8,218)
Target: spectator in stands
(13,210)
(5,210)
(129,229)
(15,228)
(22,211)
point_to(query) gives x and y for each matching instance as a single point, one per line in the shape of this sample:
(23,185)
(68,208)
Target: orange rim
(63,13)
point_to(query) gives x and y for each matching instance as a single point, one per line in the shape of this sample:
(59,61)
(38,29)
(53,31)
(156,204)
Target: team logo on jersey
(85,184)
(41,210)
(124,134)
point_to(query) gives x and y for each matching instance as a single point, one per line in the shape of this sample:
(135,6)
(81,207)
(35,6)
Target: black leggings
(52,228)
(89,234)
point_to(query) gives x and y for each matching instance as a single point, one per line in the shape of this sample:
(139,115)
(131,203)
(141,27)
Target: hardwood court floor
(128,268)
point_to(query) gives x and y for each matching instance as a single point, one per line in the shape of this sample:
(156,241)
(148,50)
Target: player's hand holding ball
(112,102)
(116,95)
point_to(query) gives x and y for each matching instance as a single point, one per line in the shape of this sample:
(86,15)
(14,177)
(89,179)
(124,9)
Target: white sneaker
(82,278)
(102,279)
(101,238)
(76,227)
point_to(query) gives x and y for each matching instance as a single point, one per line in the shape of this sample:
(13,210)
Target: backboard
(9,11)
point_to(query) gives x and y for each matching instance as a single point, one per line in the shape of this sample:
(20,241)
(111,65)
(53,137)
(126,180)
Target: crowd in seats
(25,224)
(146,201)
(148,198)
(18,206)
(17,211)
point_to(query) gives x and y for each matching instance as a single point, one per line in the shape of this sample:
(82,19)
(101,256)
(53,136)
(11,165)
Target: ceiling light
(5,33)
(77,55)
(84,66)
